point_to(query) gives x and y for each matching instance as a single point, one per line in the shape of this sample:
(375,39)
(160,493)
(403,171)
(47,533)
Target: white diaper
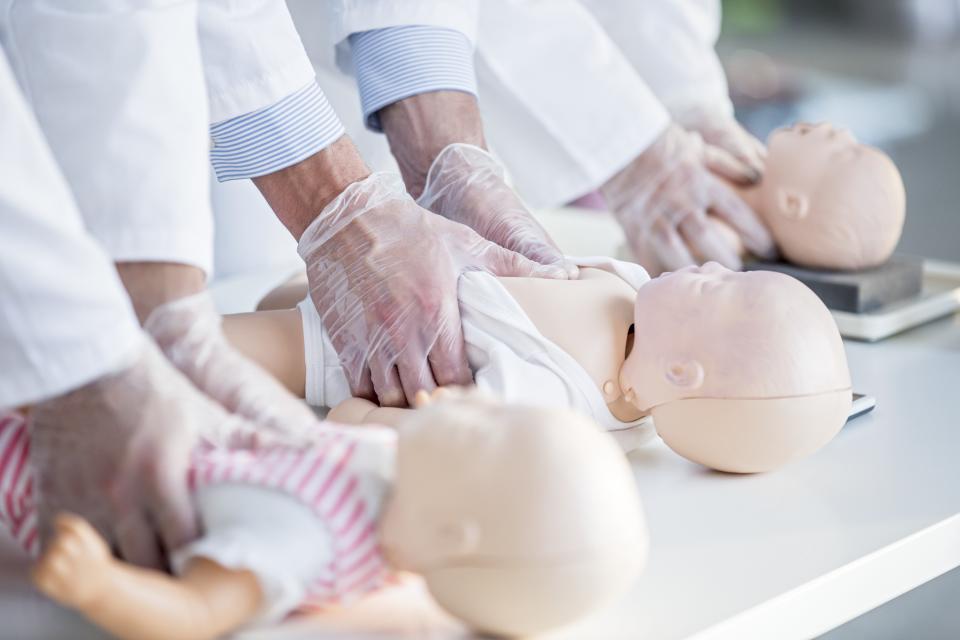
(303,520)
(273,535)
(508,355)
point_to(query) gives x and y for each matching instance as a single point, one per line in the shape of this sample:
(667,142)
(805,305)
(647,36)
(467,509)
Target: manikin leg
(207,601)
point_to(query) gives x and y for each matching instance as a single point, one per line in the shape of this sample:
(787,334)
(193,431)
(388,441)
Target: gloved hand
(117,450)
(662,198)
(731,150)
(383,273)
(189,333)
(466,184)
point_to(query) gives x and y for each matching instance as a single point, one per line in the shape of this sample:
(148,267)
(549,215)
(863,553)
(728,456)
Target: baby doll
(519,519)
(740,371)
(830,202)
(524,336)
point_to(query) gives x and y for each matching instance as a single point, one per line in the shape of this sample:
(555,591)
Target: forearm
(298,193)
(417,83)
(418,128)
(151,284)
(207,602)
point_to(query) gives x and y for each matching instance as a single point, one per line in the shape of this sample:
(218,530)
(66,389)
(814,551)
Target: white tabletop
(785,554)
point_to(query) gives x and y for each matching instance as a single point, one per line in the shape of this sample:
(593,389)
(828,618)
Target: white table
(789,554)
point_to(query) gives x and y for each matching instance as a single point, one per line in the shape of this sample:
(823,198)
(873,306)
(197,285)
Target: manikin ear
(455,538)
(792,204)
(686,373)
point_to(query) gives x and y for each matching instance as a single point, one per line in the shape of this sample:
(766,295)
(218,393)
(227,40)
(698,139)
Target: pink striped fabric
(16,483)
(321,477)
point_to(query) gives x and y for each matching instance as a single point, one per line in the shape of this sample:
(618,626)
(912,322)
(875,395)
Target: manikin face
(830,202)
(708,332)
(501,505)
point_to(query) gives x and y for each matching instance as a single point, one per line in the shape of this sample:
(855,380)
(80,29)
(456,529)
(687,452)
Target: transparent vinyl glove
(731,150)
(662,199)
(382,272)
(189,332)
(116,451)
(466,184)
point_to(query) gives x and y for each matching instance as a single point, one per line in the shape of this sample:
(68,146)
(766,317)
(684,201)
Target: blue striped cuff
(275,137)
(398,62)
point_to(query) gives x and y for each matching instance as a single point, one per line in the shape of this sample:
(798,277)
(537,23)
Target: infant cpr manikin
(829,201)
(742,372)
(520,519)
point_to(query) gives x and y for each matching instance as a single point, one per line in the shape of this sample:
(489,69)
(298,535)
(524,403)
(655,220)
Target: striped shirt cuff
(275,137)
(399,62)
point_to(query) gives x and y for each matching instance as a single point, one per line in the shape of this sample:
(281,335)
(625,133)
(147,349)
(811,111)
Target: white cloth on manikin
(508,355)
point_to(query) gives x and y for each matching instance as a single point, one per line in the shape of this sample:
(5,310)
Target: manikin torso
(589,318)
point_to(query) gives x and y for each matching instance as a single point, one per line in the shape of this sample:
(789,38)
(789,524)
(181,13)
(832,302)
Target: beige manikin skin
(519,519)
(775,384)
(829,201)
(598,304)
(742,372)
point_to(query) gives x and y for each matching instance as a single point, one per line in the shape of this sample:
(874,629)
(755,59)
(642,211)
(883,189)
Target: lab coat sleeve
(562,106)
(267,110)
(394,63)
(671,43)
(64,318)
(345,17)
(118,90)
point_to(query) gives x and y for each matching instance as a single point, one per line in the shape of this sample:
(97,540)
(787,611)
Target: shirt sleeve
(64,319)
(399,62)
(274,137)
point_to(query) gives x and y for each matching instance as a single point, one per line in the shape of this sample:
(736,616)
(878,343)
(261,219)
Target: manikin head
(742,372)
(829,201)
(520,519)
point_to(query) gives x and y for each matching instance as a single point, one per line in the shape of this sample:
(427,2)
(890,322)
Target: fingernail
(421,398)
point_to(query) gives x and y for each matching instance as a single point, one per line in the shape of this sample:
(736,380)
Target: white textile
(507,353)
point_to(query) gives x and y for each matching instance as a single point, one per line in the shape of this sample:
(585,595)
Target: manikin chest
(590,319)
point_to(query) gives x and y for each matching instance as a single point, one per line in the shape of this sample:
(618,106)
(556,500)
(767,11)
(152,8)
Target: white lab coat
(64,318)
(671,44)
(118,89)
(562,106)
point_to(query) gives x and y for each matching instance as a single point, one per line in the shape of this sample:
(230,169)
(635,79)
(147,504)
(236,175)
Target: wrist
(153,284)
(298,193)
(420,127)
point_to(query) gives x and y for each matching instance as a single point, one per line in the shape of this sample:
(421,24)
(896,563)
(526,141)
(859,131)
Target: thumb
(549,255)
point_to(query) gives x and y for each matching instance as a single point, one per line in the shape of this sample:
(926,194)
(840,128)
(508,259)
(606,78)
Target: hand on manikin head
(520,519)
(729,362)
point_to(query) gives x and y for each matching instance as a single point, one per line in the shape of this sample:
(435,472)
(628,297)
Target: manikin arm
(360,411)
(206,602)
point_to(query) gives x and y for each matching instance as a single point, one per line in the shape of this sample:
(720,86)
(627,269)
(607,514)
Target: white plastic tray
(940,297)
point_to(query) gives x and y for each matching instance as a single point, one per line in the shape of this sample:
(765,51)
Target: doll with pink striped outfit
(520,520)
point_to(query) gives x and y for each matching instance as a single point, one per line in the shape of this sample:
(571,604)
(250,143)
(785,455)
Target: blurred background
(888,70)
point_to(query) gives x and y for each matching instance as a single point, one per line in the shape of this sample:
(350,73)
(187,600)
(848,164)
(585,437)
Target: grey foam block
(900,278)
